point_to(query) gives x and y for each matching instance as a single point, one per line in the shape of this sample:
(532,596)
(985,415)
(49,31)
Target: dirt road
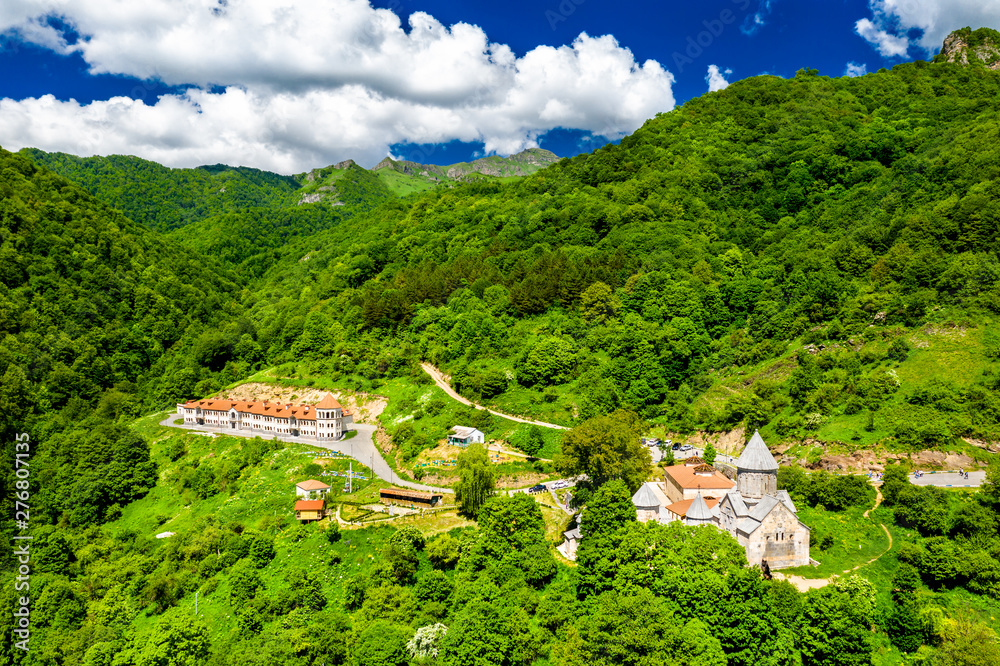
(443,384)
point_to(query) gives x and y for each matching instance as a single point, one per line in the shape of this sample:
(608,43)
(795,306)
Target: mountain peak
(972,48)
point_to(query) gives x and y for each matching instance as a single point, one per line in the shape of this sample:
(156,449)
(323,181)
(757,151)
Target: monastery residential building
(325,420)
(752,510)
(684,482)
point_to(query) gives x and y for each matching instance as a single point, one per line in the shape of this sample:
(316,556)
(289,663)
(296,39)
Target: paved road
(949,480)
(446,387)
(361,447)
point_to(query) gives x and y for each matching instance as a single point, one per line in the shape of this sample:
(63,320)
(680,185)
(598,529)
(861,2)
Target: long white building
(325,420)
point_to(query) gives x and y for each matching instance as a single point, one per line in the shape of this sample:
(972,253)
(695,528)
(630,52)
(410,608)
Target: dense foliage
(844,212)
(806,227)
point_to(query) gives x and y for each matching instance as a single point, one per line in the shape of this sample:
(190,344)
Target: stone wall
(755,485)
(781,540)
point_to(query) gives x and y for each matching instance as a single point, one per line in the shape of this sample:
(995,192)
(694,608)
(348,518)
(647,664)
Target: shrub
(443,551)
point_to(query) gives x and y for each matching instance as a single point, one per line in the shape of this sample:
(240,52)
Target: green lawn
(856,540)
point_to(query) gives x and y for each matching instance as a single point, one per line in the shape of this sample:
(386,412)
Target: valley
(811,259)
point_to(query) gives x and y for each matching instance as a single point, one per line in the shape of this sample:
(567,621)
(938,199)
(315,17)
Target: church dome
(756,457)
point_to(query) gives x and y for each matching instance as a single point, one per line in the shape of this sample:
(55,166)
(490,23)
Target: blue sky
(293,85)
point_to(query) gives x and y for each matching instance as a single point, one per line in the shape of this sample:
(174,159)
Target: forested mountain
(843,212)
(94,309)
(162,198)
(246,216)
(816,257)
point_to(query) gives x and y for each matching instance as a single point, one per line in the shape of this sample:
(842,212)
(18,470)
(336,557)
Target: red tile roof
(328,402)
(267,408)
(313,484)
(681,508)
(687,478)
(309,505)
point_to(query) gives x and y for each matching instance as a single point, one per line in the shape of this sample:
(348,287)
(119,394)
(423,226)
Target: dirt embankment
(365,407)
(730,442)
(875,461)
(733,441)
(992,447)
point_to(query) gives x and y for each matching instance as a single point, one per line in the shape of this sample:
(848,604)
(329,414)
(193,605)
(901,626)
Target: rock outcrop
(972,48)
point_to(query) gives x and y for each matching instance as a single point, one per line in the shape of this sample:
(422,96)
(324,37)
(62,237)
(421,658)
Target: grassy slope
(264,501)
(431,412)
(955,353)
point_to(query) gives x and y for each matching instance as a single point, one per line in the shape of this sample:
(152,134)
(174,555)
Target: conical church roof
(645,497)
(699,511)
(756,456)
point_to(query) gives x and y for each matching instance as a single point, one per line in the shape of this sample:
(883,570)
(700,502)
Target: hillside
(162,198)
(245,217)
(101,319)
(978,48)
(405,177)
(772,255)
(815,257)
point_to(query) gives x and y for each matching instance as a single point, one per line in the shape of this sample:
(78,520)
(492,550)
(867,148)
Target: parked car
(540,488)
(560,484)
(675,447)
(687,447)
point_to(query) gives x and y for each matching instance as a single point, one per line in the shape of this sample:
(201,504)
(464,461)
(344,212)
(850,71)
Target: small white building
(307,488)
(463,436)
(571,541)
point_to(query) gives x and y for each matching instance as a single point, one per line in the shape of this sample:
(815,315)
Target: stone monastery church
(760,517)
(324,420)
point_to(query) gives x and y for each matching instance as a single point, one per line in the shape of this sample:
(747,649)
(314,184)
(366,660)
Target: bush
(410,535)
(298,532)
(443,551)
(261,550)
(434,586)
(899,349)
(333,531)
(209,586)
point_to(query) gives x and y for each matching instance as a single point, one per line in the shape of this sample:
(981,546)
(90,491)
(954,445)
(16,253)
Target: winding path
(803,584)
(443,384)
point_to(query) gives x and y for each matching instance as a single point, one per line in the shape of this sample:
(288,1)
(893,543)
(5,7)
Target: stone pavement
(949,479)
(361,447)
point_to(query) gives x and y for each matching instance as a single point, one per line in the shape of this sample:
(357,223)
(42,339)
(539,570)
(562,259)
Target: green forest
(813,257)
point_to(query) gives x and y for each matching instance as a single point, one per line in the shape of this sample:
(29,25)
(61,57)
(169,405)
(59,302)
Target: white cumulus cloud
(854,69)
(715,79)
(892,20)
(887,44)
(296,84)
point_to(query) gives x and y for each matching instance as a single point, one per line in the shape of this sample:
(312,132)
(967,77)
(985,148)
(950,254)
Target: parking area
(658,449)
(948,479)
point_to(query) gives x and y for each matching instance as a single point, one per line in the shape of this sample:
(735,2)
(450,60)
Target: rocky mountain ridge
(972,47)
(523,163)
(406,177)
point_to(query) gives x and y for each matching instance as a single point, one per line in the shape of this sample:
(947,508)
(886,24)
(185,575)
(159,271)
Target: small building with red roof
(684,482)
(306,489)
(308,510)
